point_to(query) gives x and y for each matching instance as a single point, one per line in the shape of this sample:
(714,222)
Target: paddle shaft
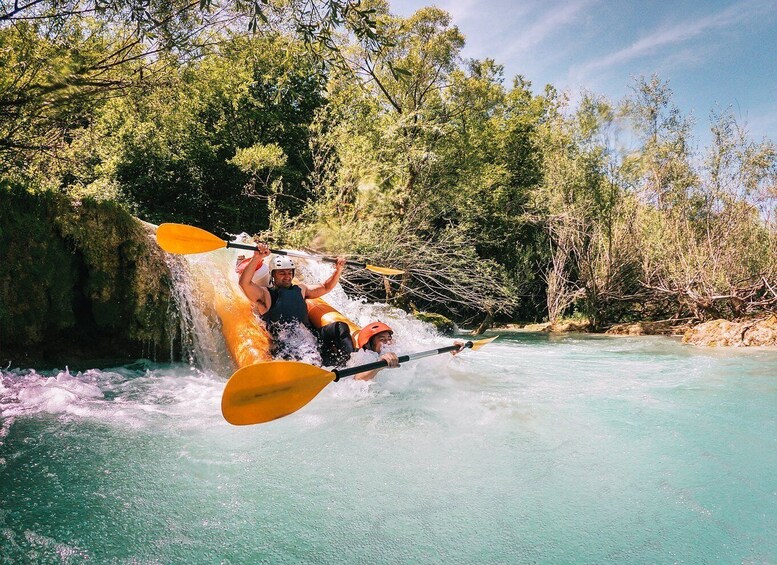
(349,372)
(292,254)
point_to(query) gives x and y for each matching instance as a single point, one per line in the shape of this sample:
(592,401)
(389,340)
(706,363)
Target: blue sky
(714,53)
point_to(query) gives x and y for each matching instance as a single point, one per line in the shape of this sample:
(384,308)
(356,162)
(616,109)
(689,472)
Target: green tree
(180,152)
(707,248)
(46,94)
(395,133)
(407,79)
(660,169)
(60,59)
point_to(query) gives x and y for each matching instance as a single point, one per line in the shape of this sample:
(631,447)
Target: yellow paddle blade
(481,342)
(266,391)
(183,239)
(384,270)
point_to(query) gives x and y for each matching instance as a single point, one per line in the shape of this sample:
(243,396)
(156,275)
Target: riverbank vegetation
(338,126)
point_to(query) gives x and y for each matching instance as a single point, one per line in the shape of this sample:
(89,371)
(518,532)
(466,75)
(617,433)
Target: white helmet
(281,262)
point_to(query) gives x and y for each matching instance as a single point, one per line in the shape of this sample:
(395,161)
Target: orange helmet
(370,330)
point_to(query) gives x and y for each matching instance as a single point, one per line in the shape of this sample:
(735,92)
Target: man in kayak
(377,338)
(282,307)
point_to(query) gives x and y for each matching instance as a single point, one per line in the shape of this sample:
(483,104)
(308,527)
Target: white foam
(298,343)
(133,398)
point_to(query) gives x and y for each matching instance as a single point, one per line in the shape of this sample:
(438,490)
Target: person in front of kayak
(377,338)
(282,307)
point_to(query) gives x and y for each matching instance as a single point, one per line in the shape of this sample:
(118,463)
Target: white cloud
(460,10)
(553,19)
(662,38)
(761,123)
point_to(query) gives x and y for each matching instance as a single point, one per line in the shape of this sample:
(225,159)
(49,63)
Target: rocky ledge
(760,332)
(756,332)
(553,327)
(661,327)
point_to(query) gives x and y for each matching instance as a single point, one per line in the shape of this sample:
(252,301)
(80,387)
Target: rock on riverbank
(751,333)
(661,327)
(759,332)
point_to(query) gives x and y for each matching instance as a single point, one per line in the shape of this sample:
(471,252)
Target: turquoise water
(534,449)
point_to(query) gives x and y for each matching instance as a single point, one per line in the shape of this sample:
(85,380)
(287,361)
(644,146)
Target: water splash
(410,334)
(296,343)
(134,395)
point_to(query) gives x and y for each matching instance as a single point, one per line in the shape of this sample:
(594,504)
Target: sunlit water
(532,449)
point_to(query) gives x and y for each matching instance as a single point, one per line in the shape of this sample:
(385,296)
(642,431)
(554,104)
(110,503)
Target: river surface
(535,448)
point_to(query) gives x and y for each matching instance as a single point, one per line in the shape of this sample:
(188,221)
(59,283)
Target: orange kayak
(248,341)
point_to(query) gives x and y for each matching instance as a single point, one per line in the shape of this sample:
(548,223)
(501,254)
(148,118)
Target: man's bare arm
(316,290)
(253,291)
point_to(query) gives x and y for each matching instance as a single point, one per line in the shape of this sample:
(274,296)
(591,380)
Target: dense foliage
(339,126)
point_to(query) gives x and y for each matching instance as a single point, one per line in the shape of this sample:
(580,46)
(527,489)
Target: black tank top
(287,306)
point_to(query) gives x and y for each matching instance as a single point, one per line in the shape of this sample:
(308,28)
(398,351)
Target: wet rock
(442,324)
(541,327)
(82,279)
(762,333)
(662,327)
(724,333)
(559,327)
(569,326)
